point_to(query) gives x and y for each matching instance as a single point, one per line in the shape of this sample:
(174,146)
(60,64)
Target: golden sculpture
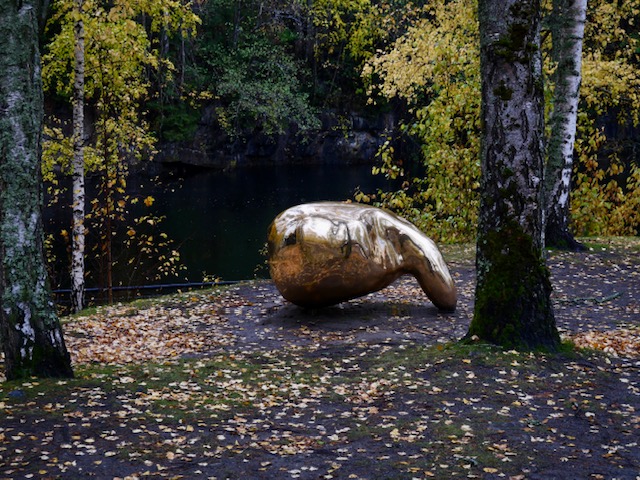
(325,253)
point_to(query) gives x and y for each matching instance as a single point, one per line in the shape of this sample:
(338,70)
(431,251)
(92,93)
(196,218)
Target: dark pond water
(219,220)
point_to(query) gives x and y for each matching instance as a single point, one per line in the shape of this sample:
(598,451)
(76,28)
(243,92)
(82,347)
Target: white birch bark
(30,331)
(567,23)
(78,201)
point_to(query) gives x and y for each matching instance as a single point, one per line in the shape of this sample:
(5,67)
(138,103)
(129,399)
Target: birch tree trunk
(30,332)
(567,30)
(512,299)
(78,201)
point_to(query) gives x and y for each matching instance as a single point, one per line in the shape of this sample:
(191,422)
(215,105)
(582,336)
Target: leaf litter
(235,382)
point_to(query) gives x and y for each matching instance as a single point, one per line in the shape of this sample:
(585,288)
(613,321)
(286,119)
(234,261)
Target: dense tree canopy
(121,53)
(442,91)
(155,68)
(435,68)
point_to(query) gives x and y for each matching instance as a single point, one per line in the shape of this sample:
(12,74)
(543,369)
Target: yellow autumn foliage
(605,199)
(434,67)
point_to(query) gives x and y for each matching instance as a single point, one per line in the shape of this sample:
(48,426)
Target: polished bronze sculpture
(325,253)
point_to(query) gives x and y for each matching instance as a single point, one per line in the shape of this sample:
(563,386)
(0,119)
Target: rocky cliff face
(340,140)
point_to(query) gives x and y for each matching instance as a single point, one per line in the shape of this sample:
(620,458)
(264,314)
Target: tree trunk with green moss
(512,300)
(29,327)
(567,30)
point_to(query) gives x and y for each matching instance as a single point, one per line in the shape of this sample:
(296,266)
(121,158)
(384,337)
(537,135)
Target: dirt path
(596,291)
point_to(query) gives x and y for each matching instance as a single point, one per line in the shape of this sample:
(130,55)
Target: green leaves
(261,90)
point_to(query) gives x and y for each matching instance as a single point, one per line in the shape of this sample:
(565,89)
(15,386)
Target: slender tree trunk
(30,332)
(107,188)
(78,202)
(183,61)
(237,16)
(107,236)
(109,252)
(567,30)
(512,300)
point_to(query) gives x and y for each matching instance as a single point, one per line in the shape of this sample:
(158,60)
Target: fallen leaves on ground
(235,383)
(125,334)
(367,411)
(621,342)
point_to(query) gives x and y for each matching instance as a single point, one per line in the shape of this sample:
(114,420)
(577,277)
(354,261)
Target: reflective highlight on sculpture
(325,253)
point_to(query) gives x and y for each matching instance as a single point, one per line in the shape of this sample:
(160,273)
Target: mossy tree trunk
(512,300)
(567,30)
(30,331)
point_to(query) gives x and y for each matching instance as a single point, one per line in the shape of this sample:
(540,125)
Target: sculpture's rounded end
(441,291)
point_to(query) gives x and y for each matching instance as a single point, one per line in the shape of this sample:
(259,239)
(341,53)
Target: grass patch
(459,253)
